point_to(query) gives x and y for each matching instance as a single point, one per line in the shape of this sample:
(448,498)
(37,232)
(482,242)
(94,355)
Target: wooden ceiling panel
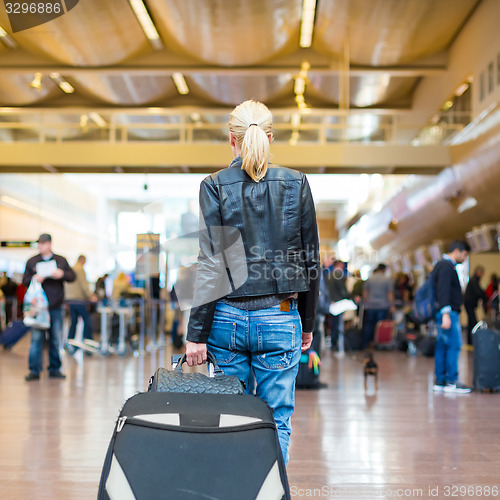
(377,89)
(95,33)
(229,32)
(126,90)
(388,32)
(15,90)
(233,89)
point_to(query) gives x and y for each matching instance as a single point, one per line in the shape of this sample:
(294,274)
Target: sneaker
(32,376)
(457,388)
(57,375)
(438,387)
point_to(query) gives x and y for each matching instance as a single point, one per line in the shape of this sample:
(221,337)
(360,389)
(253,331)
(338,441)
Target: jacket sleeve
(81,279)
(69,274)
(308,301)
(28,274)
(442,287)
(209,266)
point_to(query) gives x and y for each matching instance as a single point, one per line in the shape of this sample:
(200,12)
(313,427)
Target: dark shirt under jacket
(54,289)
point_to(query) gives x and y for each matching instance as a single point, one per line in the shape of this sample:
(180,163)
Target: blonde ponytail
(251,125)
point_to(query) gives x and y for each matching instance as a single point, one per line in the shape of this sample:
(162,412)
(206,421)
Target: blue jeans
(76,310)
(265,344)
(370,320)
(448,345)
(54,335)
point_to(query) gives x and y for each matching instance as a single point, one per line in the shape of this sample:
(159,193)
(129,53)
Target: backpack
(424,304)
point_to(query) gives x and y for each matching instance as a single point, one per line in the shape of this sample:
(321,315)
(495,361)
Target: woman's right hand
(306,341)
(196,354)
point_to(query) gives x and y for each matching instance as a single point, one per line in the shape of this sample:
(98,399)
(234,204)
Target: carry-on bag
(353,339)
(384,334)
(308,374)
(14,332)
(427,345)
(192,447)
(486,358)
(177,381)
(36,307)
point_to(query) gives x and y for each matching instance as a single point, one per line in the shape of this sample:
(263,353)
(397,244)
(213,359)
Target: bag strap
(210,359)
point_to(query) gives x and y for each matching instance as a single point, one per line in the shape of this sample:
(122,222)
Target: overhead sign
(148,255)
(17,244)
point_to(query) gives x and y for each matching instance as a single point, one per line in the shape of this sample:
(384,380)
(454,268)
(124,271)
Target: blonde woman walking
(257,330)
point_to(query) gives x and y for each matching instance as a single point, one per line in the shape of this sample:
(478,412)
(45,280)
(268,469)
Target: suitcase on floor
(14,332)
(308,374)
(486,359)
(384,334)
(427,345)
(192,447)
(353,339)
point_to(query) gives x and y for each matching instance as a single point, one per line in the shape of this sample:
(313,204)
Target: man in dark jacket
(51,271)
(473,294)
(449,302)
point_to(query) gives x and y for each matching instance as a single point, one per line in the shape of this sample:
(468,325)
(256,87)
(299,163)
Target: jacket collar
(237,162)
(449,259)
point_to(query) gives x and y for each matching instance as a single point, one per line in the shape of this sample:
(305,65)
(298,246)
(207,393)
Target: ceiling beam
(16,156)
(400,71)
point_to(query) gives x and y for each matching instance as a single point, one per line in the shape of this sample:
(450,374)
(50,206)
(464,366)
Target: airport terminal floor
(402,441)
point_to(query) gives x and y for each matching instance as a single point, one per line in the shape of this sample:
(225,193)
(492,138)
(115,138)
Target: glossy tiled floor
(401,442)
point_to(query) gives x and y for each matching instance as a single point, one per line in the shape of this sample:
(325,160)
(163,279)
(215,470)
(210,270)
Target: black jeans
(472,321)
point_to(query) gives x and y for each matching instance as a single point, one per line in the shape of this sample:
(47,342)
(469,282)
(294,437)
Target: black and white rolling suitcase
(183,446)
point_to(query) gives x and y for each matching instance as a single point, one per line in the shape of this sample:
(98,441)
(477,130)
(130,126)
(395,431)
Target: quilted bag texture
(195,383)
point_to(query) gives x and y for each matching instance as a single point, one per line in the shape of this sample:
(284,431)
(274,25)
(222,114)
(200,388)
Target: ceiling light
(447,105)
(7,39)
(295,120)
(146,22)
(36,83)
(307,24)
(180,83)
(84,120)
(467,204)
(97,119)
(63,84)
(300,85)
(461,89)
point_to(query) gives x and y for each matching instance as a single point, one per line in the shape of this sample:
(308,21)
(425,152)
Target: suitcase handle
(479,326)
(210,359)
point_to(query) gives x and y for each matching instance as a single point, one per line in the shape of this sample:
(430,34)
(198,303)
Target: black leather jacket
(277,223)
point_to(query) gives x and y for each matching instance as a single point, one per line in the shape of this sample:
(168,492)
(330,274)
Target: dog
(371,368)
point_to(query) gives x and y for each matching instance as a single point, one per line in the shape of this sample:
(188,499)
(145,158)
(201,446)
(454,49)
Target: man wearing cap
(51,271)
